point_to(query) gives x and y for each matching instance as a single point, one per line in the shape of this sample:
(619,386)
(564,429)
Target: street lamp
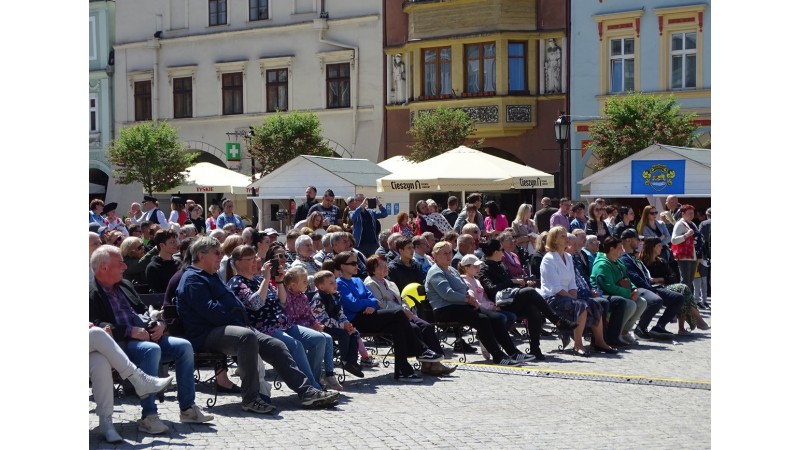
(249,136)
(561,127)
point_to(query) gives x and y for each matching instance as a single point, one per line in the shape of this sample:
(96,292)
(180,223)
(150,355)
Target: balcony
(495,116)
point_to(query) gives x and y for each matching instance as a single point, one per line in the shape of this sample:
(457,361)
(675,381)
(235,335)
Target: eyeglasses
(653,213)
(249,258)
(350,263)
(117,242)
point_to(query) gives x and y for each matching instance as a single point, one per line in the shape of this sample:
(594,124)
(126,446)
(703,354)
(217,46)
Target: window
(277,90)
(480,67)
(92,40)
(217,12)
(622,68)
(258,10)
(517,68)
(142,101)
(338,81)
(182,97)
(683,61)
(232,93)
(92,113)
(436,66)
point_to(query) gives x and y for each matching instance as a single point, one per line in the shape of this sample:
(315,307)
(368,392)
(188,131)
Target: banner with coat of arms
(653,177)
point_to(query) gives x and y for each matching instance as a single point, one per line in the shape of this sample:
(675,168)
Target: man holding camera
(364,220)
(114,302)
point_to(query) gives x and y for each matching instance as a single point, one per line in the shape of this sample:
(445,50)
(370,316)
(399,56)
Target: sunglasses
(117,242)
(653,213)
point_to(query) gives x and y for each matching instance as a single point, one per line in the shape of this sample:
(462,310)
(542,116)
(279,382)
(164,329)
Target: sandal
(580,352)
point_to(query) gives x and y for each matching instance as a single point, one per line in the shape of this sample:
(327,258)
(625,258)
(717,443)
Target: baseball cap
(471,260)
(630,233)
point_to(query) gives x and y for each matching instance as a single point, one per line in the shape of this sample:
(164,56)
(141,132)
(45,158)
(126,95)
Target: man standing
(451,213)
(163,266)
(474,199)
(114,301)
(329,211)
(215,322)
(301,213)
(561,217)
(151,213)
(579,222)
(542,217)
(228,216)
(672,213)
(96,211)
(365,226)
(705,230)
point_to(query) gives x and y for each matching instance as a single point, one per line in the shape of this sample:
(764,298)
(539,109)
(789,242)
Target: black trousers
(395,323)
(491,328)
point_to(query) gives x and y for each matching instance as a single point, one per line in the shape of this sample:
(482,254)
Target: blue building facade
(101,93)
(655,47)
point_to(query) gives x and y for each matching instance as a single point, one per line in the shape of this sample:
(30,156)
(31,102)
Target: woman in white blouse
(560,290)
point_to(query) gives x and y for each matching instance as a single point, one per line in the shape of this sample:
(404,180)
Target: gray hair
(217,234)
(468,227)
(326,239)
(464,239)
(203,245)
(591,238)
(338,236)
(428,235)
(103,255)
(303,239)
(393,237)
(383,237)
(129,244)
(505,236)
(571,238)
(188,227)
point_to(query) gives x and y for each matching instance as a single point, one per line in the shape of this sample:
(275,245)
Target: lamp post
(249,136)
(561,127)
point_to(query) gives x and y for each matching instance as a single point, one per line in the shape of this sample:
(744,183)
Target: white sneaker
(152,424)
(195,415)
(146,385)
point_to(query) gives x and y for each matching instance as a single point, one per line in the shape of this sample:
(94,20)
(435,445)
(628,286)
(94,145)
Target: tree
(635,121)
(438,131)
(149,152)
(285,136)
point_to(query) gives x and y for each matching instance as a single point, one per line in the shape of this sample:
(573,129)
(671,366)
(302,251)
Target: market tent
(344,176)
(465,169)
(656,171)
(207,178)
(395,163)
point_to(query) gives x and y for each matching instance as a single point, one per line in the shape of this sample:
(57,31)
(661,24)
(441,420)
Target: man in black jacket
(113,301)
(163,266)
(301,213)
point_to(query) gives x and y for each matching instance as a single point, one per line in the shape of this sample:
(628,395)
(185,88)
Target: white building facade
(213,68)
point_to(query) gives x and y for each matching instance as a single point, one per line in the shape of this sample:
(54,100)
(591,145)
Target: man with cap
(95,211)
(272,234)
(151,213)
(655,296)
(329,211)
(227,216)
(113,222)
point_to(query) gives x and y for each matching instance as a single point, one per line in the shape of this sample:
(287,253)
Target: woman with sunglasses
(133,254)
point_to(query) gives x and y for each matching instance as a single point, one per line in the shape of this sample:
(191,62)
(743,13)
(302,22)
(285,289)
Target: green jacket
(606,274)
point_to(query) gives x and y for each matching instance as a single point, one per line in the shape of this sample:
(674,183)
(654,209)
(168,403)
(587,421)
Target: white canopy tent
(206,178)
(465,169)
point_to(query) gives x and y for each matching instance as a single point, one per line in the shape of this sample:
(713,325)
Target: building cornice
(250,32)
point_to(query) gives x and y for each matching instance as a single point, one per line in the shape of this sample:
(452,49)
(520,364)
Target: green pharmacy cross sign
(233,150)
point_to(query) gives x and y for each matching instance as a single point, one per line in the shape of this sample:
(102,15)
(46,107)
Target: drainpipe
(568,19)
(322,25)
(155,44)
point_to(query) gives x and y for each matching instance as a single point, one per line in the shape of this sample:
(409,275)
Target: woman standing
(112,221)
(196,220)
(178,214)
(213,213)
(495,221)
(560,289)
(596,224)
(524,228)
(402,226)
(684,235)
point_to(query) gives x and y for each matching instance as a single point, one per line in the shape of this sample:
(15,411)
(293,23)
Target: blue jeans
(150,355)
(348,344)
(298,351)
(318,345)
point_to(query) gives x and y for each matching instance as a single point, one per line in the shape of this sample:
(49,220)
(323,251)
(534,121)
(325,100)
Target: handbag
(506,296)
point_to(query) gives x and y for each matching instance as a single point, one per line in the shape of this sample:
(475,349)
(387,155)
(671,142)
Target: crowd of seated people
(241,292)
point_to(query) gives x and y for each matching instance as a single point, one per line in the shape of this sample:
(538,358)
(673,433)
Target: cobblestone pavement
(656,395)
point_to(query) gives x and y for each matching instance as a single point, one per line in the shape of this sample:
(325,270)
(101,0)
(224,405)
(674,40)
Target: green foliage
(285,136)
(149,152)
(635,121)
(439,131)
